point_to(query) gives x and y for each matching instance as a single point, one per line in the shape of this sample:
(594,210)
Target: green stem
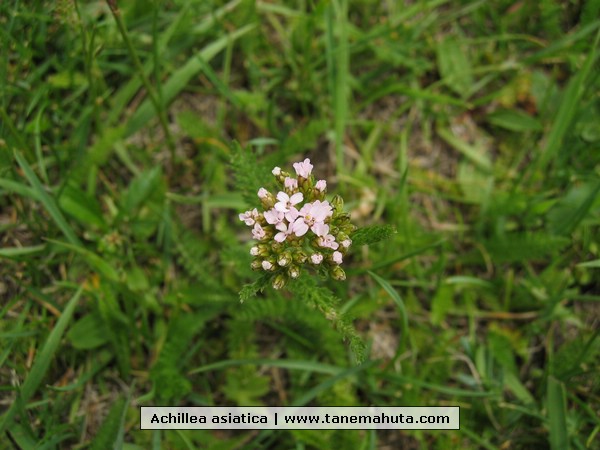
(138,66)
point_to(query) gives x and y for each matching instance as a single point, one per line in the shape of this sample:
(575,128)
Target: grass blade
(42,361)
(403,316)
(47,201)
(557,414)
(179,80)
(568,108)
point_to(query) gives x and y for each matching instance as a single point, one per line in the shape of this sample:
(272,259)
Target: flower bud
(263,250)
(300,257)
(294,271)
(336,257)
(316,258)
(268,201)
(268,265)
(338,204)
(254,251)
(284,259)
(279,281)
(337,273)
(256,265)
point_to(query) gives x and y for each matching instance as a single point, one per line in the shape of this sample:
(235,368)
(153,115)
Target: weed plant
(470,127)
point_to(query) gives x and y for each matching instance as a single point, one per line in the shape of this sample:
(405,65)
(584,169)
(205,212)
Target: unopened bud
(279,281)
(267,265)
(284,259)
(294,271)
(337,273)
(256,265)
(263,250)
(300,257)
(268,201)
(338,204)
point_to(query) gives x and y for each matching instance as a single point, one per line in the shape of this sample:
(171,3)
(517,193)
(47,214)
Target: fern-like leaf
(371,235)
(249,291)
(248,173)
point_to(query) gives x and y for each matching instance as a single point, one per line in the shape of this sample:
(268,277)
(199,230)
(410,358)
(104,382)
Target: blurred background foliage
(472,127)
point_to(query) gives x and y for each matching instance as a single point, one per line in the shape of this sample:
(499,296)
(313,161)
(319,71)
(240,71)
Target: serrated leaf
(110,433)
(249,291)
(372,234)
(516,247)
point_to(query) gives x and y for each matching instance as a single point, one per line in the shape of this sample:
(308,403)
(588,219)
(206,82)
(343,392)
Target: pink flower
(262,193)
(328,241)
(286,202)
(337,257)
(284,231)
(267,265)
(290,183)
(254,251)
(273,216)
(249,217)
(317,211)
(258,232)
(297,227)
(321,185)
(316,258)
(314,215)
(276,171)
(303,169)
(291,215)
(346,243)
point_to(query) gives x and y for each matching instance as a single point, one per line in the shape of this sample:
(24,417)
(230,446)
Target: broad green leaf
(81,206)
(591,264)
(570,210)
(454,66)
(514,120)
(88,332)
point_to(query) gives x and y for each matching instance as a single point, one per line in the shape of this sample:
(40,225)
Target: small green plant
(299,228)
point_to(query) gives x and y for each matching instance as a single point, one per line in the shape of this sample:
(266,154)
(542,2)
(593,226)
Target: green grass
(465,133)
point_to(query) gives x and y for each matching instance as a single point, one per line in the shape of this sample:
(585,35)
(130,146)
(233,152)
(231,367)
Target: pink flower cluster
(298,225)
